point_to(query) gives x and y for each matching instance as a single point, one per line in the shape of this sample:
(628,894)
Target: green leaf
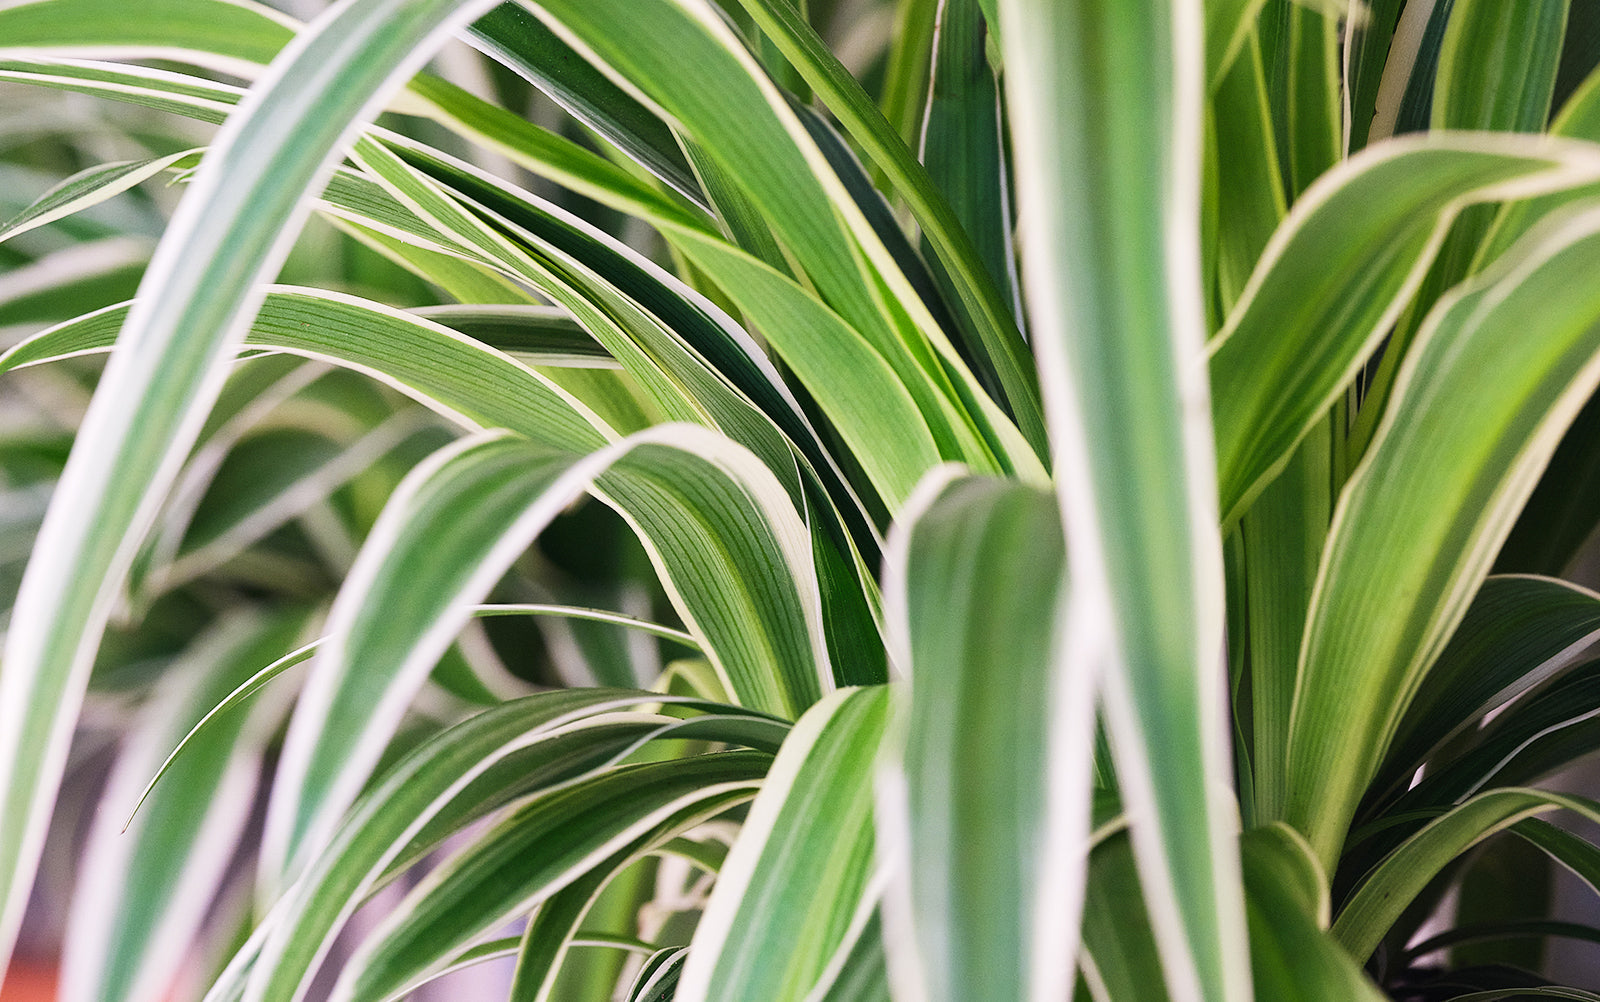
(1250,197)
(553,929)
(1283,535)
(1303,63)
(692,65)
(232,231)
(467,772)
(460,378)
(1517,633)
(235,36)
(1527,741)
(1369,51)
(978,916)
(87,188)
(1228,24)
(784,899)
(1337,275)
(1385,892)
(1106,113)
(154,884)
(1292,957)
(546,153)
(568,838)
(854,385)
(1120,959)
(963,141)
(1497,65)
(540,335)
(984,319)
(658,979)
(1498,370)
(523,43)
(716,522)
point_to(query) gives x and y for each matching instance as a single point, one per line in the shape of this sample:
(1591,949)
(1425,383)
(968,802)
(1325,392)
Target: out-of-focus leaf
(144,893)
(976,917)
(1106,104)
(465,773)
(714,518)
(88,188)
(1516,634)
(567,838)
(1291,954)
(249,195)
(1393,883)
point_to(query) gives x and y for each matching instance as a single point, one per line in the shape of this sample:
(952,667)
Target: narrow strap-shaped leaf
(551,932)
(231,231)
(1301,47)
(462,774)
(1391,886)
(1228,25)
(548,153)
(1529,740)
(993,923)
(243,514)
(687,60)
(679,382)
(237,36)
(570,837)
(1292,957)
(163,90)
(786,894)
(464,380)
(144,893)
(1405,96)
(1119,955)
(983,314)
(1498,370)
(852,383)
(1366,53)
(963,144)
(1497,70)
(1250,196)
(545,334)
(658,979)
(712,517)
(1113,282)
(1516,634)
(1283,535)
(87,188)
(1338,273)
(522,42)
(250,686)
(1497,65)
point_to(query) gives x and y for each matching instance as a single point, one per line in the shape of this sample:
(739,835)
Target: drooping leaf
(250,192)
(1339,272)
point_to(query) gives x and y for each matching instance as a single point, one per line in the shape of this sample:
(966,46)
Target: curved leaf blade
(197,298)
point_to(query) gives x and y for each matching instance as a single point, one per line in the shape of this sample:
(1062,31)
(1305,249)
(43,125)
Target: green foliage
(755,499)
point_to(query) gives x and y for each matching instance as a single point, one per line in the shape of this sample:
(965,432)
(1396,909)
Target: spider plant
(1021,499)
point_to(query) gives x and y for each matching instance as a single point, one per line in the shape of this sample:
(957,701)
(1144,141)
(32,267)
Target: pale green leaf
(783,902)
(1498,370)
(1106,113)
(231,232)
(978,918)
